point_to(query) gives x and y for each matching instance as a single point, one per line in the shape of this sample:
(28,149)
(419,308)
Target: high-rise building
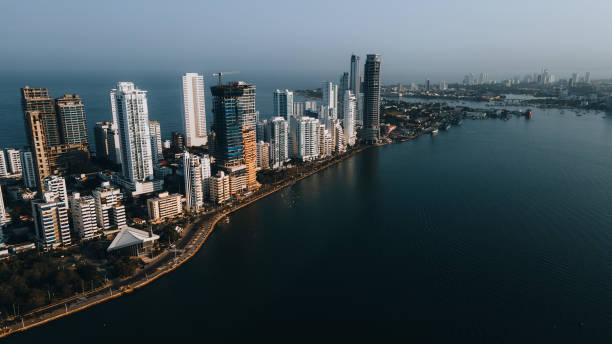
(164,206)
(263,155)
(71,118)
(4,169)
(4,216)
(36,137)
(196,170)
(343,86)
(330,98)
(298,109)
(156,142)
(279,142)
(307,132)
(110,211)
(129,106)
(339,144)
(587,77)
(51,221)
(350,108)
(220,188)
(371,103)
(107,142)
(28,169)
(194,110)
(13,161)
(38,99)
(283,103)
(228,120)
(247,104)
(443,85)
(250,157)
(355,77)
(83,209)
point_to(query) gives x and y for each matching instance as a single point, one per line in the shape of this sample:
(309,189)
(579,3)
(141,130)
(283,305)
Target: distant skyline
(442,39)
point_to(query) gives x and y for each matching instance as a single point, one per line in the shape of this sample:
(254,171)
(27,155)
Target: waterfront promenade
(194,238)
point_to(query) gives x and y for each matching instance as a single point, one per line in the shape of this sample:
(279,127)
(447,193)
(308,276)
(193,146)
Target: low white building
(133,241)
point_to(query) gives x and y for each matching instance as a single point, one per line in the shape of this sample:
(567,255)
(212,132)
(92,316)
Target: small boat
(434,132)
(528,114)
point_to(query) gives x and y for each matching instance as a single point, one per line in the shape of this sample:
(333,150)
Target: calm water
(492,232)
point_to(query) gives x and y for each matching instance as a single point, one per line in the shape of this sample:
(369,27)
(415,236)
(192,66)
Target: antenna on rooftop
(220,74)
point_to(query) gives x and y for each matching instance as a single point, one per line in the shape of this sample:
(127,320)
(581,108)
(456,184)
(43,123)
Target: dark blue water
(164,95)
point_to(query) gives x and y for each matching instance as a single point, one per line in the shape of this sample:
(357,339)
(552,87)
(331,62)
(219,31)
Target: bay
(494,231)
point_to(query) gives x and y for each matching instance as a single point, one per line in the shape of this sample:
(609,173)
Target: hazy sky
(415,37)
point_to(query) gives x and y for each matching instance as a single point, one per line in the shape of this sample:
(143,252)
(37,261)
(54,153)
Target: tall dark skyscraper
(355,78)
(371,101)
(234,127)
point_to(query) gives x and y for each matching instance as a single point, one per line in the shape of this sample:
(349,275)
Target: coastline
(191,249)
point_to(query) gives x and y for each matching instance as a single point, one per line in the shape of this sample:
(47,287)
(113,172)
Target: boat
(434,132)
(528,114)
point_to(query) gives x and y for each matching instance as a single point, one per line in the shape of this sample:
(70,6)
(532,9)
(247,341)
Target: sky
(435,38)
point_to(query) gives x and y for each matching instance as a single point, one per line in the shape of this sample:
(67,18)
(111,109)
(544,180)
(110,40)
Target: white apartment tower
(279,142)
(84,221)
(57,186)
(197,178)
(110,212)
(13,161)
(350,110)
(194,110)
(330,98)
(307,134)
(51,221)
(156,142)
(220,188)
(131,113)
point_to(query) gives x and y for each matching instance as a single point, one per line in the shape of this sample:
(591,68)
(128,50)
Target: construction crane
(220,74)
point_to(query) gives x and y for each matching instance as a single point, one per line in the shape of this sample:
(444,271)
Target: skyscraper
(250,157)
(343,86)
(83,209)
(156,142)
(355,80)
(279,144)
(130,109)
(307,132)
(38,99)
(371,103)
(196,171)
(194,110)
(71,118)
(230,124)
(283,103)
(110,211)
(350,108)
(36,137)
(330,98)
(263,155)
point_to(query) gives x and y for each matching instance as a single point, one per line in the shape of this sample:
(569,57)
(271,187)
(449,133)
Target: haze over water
(498,231)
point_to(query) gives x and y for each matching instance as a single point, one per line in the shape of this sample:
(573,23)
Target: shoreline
(193,246)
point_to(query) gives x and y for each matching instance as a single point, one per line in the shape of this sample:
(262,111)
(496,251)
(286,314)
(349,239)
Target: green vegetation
(124,266)
(34,279)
